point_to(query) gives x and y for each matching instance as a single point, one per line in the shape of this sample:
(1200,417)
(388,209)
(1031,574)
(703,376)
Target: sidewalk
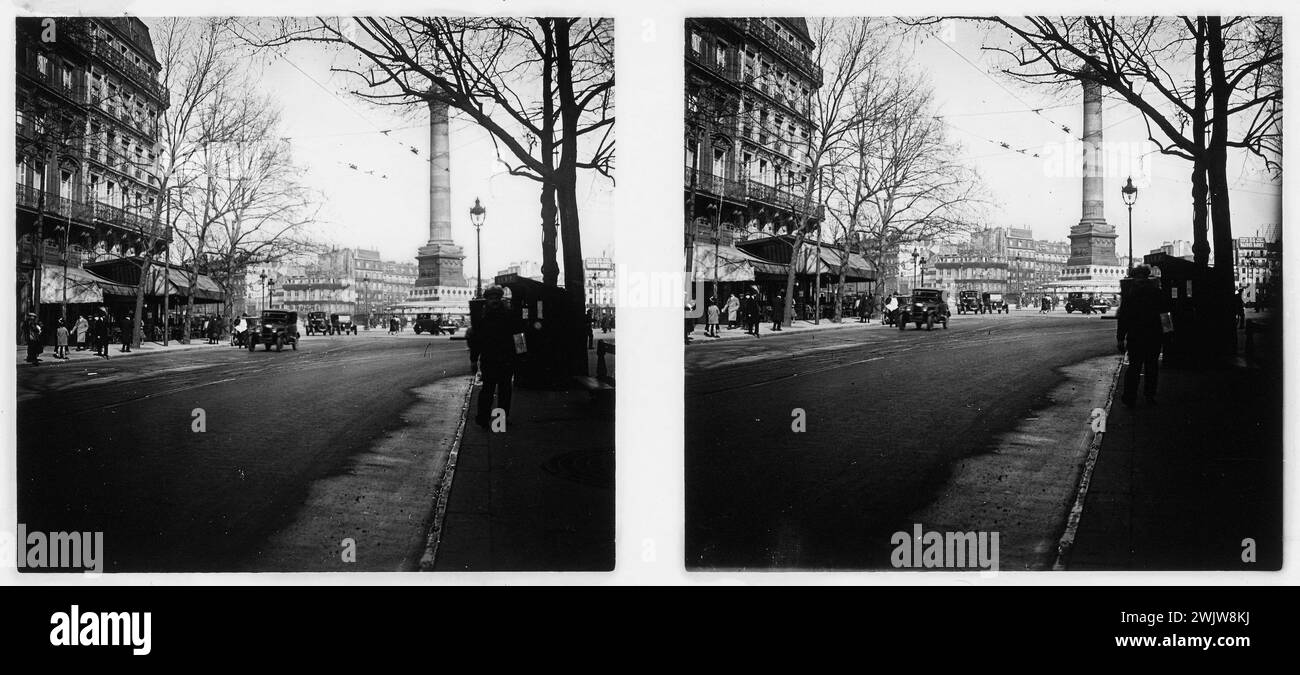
(114,352)
(539,496)
(1180,485)
(765,329)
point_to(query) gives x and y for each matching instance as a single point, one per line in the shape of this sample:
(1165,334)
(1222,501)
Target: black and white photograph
(314,294)
(983,293)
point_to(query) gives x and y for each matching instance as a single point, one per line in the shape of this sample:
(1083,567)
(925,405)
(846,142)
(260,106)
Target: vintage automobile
(342,324)
(1086,302)
(317,324)
(925,307)
(276,328)
(433,324)
(994,302)
(968,302)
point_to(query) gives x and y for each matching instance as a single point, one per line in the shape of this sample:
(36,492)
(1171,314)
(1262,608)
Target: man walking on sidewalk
(33,333)
(494,344)
(1140,332)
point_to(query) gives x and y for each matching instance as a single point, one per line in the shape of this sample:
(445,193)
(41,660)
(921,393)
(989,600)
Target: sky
(330,129)
(983,110)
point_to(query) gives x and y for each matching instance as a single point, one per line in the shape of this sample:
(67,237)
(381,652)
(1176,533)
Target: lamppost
(476,215)
(271,297)
(915,255)
(1130,193)
(262,276)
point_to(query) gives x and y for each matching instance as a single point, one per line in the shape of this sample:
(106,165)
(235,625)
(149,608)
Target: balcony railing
(135,73)
(748,190)
(729,71)
(764,33)
(716,185)
(89,212)
(72,89)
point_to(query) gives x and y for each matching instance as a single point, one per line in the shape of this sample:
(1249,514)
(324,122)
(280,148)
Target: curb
(1066,542)
(434,538)
(51,361)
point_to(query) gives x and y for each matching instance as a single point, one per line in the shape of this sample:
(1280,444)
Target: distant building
(348,281)
(1003,260)
(527,269)
(1255,261)
(599,275)
(1177,249)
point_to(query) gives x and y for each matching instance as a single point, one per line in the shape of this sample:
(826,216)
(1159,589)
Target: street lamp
(476,215)
(270,299)
(914,257)
(262,276)
(1130,193)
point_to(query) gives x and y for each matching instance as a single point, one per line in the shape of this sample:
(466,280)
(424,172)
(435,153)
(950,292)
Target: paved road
(109,445)
(888,413)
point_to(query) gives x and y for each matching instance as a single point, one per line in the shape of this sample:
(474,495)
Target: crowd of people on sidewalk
(87,333)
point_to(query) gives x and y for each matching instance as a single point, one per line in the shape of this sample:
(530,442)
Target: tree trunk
(575,342)
(550,267)
(137,319)
(1200,191)
(1222,330)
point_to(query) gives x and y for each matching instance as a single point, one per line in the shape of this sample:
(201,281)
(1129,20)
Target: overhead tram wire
(1037,110)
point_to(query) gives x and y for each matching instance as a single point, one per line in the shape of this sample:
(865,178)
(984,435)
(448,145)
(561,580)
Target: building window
(43,64)
(696,43)
(720,55)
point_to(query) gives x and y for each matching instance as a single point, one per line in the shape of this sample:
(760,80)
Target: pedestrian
(33,332)
(732,308)
(590,322)
(713,320)
(1047,306)
(1140,332)
(890,316)
(752,315)
(606,322)
(494,345)
(1239,309)
(392,326)
(128,333)
(778,313)
(79,330)
(870,306)
(101,331)
(61,340)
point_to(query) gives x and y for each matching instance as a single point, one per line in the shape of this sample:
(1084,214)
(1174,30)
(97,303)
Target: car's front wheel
(929,322)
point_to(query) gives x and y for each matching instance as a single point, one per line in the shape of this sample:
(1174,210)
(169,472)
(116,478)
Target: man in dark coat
(493,342)
(33,333)
(1140,333)
(752,314)
(778,312)
(128,332)
(101,336)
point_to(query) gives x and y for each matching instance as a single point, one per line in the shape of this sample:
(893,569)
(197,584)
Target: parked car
(994,302)
(926,307)
(1086,302)
(433,324)
(968,302)
(317,323)
(275,328)
(342,324)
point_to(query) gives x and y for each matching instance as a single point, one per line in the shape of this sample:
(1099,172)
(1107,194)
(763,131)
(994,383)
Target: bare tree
(846,50)
(909,186)
(1204,85)
(542,88)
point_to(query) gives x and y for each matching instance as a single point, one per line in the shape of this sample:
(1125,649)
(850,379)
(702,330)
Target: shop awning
(732,264)
(82,286)
(829,263)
